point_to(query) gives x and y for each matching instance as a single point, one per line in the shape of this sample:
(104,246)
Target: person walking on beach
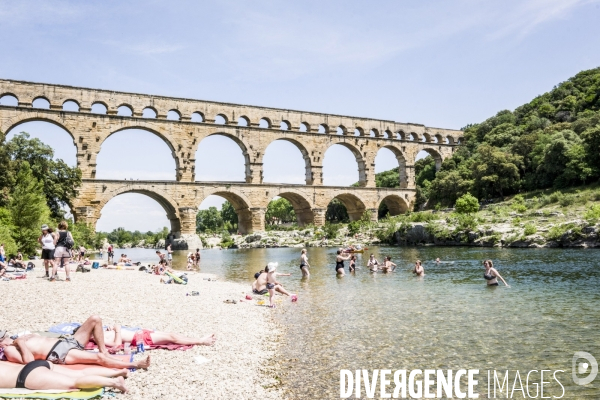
(491,275)
(110,253)
(419,270)
(170,255)
(304,265)
(62,253)
(47,240)
(197,258)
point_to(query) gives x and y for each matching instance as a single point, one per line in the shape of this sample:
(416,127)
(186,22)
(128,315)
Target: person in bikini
(28,348)
(491,275)
(115,337)
(259,286)
(304,265)
(373,264)
(388,265)
(43,375)
(419,270)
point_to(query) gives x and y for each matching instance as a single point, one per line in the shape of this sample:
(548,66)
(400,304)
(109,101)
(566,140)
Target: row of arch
(310,179)
(251,218)
(127,110)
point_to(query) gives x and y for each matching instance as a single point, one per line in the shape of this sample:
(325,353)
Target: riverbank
(241,362)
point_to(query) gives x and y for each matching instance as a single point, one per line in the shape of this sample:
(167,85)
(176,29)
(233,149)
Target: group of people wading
(266,280)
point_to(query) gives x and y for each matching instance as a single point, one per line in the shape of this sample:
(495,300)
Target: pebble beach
(239,366)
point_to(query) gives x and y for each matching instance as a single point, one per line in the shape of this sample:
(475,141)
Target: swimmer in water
(388,265)
(339,262)
(373,264)
(491,275)
(419,270)
(304,265)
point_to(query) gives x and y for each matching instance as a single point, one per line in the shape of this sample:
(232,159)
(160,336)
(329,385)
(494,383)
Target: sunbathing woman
(28,348)
(42,375)
(115,337)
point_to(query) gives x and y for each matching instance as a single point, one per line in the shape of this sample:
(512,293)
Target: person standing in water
(419,270)
(491,275)
(304,265)
(373,264)
(47,241)
(339,262)
(352,266)
(388,265)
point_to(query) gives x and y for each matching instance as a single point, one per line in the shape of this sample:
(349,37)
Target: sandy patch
(239,366)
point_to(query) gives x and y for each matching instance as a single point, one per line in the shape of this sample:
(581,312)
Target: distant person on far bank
(62,252)
(170,255)
(47,240)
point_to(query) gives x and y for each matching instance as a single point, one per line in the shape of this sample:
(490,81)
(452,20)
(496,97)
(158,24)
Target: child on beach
(272,283)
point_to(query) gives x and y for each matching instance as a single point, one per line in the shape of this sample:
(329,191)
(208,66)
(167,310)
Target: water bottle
(140,348)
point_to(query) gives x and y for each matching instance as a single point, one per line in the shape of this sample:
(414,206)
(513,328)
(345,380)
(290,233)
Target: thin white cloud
(530,14)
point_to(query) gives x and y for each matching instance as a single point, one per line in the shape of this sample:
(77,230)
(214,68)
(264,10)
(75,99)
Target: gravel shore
(240,364)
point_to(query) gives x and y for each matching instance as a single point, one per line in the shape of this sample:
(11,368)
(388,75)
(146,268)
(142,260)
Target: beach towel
(50,394)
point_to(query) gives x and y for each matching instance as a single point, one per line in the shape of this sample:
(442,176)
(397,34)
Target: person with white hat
(273,285)
(48,242)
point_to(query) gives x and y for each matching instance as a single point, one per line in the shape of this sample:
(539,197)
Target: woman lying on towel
(43,375)
(115,337)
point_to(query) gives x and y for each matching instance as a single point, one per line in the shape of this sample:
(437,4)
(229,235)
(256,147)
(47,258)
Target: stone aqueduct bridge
(312,133)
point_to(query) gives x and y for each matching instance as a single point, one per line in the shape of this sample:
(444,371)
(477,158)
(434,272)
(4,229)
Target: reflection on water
(448,319)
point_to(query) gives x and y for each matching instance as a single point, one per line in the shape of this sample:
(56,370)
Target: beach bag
(69,242)
(95,265)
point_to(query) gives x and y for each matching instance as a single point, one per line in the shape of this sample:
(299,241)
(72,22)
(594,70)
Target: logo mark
(583,368)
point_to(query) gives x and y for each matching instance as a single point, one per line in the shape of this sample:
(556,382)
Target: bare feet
(123,372)
(145,363)
(120,384)
(208,340)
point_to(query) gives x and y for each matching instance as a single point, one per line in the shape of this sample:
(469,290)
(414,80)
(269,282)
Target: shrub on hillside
(467,204)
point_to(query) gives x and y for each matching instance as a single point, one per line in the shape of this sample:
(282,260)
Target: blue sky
(439,63)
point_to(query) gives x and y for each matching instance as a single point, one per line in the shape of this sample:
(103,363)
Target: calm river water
(447,320)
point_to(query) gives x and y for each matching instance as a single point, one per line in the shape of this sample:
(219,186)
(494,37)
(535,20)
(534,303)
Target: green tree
(28,209)
(228,213)
(467,204)
(210,220)
(7,178)
(280,210)
(495,171)
(336,212)
(59,181)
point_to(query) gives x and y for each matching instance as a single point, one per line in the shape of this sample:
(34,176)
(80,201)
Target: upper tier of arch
(207,111)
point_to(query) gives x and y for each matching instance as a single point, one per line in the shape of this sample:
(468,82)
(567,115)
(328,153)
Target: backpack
(67,241)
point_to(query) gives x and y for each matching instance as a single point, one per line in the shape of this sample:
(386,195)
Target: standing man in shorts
(170,255)
(48,242)
(197,258)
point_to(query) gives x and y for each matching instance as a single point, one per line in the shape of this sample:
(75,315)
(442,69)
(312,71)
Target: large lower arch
(248,220)
(253,173)
(355,206)
(302,207)
(360,161)
(170,206)
(309,179)
(396,205)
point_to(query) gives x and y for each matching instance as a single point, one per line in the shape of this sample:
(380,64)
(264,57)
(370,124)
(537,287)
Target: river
(447,320)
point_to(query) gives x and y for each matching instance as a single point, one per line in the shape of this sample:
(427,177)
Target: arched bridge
(184,123)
